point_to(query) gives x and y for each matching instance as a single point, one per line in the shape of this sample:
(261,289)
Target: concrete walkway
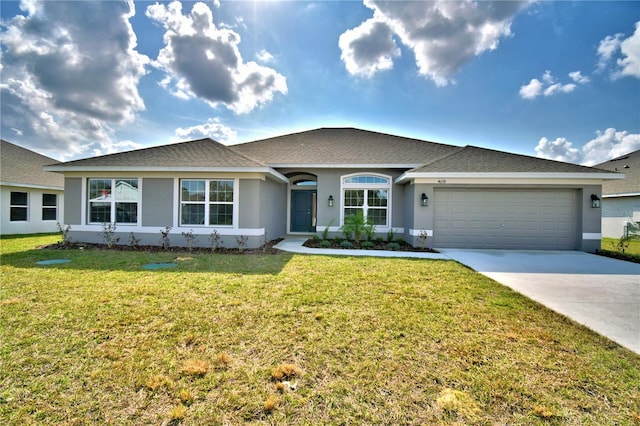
(598,292)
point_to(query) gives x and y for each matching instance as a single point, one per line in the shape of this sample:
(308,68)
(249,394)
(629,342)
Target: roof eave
(344,166)
(32,185)
(408,176)
(169,169)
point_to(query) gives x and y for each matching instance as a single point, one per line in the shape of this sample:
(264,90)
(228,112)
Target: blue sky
(557,80)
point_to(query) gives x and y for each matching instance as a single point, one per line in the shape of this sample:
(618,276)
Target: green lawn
(611,244)
(221,339)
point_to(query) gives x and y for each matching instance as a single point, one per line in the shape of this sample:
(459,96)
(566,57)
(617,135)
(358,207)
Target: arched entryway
(303,192)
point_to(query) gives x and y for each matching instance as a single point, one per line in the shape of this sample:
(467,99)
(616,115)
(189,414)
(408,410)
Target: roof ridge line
(456,151)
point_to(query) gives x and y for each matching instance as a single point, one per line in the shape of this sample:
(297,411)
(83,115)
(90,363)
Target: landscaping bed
(377,244)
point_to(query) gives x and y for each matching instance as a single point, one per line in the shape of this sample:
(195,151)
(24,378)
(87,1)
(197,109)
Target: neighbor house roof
(341,147)
(22,167)
(628,164)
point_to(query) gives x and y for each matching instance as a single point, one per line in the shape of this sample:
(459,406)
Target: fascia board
(344,166)
(510,175)
(33,186)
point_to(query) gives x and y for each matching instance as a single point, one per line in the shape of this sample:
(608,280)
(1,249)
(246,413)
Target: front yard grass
(288,339)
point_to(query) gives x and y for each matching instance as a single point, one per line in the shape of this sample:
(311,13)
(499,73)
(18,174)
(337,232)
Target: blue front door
(303,211)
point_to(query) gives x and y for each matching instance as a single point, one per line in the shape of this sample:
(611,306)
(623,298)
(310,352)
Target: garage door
(506,219)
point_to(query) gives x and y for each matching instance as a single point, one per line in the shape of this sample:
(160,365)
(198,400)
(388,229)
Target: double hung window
(49,206)
(206,202)
(18,209)
(113,201)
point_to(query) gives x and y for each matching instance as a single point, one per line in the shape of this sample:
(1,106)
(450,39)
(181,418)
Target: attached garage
(535,219)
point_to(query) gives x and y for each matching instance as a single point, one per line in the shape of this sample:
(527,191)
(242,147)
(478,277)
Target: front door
(303,211)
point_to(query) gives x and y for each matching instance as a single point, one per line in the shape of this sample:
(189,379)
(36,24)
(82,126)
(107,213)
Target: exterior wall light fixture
(595,201)
(330,200)
(424,200)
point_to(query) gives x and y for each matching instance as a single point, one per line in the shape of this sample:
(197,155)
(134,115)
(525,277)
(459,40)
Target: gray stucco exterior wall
(591,218)
(157,202)
(273,208)
(249,209)
(72,201)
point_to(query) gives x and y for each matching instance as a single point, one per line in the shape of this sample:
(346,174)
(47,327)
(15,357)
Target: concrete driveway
(598,292)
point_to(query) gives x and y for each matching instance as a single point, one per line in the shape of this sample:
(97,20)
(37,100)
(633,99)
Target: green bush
(393,246)
(366,245)
(325,243)
(346,244)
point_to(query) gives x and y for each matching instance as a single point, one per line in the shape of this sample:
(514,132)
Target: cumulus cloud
(443,35)
(264,56)
(368,48)
(211,129)
(606,145)
(625,52)
(203,61)
(70,72)
(550,86)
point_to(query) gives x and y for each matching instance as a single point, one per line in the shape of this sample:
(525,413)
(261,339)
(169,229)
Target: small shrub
(422,238)
(379,240)
(325,243)
(189,239)
(215,240)
(623,244)
(366,245)
(315,238)
(194,367)
(400,240)
(390,236)
(242,242)
(393,246)
(165,242)
(325,232)
(346,244)
(66,240)
(133,241)
(357,225)
(108,231)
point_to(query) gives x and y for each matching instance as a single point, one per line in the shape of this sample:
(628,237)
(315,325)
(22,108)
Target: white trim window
(369,193)
(18,208)
(207,202)
(49,207)
(113,201)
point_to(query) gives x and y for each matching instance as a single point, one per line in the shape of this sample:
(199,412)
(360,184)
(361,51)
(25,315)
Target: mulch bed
(266,249)
(376,245)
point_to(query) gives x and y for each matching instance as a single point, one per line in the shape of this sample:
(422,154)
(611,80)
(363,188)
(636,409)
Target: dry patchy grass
(380,341)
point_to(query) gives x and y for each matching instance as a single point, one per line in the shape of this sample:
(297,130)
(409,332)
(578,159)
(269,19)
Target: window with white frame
(369,194)
(49,207)
(113,201)
(18,210)
(206,202)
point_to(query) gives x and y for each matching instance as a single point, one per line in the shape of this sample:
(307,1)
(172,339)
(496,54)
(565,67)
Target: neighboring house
(31,199)
(307,182)
(621,198)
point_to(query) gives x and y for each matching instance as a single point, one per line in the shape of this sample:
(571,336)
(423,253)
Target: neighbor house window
(113,200)
(368,194)
(49,207)
(206,202)
(18,208)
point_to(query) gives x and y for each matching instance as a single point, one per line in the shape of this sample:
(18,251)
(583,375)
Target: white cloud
(608,144)
(368,48)
(579,78)
(70,72)
(203,61)
(559,149)
(264,56)
(531,90)
(549,85)
(443,35)
(625,51)
(211,129)
(630,48)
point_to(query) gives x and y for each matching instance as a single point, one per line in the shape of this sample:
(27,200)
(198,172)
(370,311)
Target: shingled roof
(337,147)
(628,164)
(22,167)
(202,153)
(472,159)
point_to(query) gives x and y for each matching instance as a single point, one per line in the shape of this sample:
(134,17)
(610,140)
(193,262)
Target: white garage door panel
(508,219)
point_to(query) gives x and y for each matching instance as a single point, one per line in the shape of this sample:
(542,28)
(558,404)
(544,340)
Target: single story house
(31,198)
(621,198)
(309,182)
